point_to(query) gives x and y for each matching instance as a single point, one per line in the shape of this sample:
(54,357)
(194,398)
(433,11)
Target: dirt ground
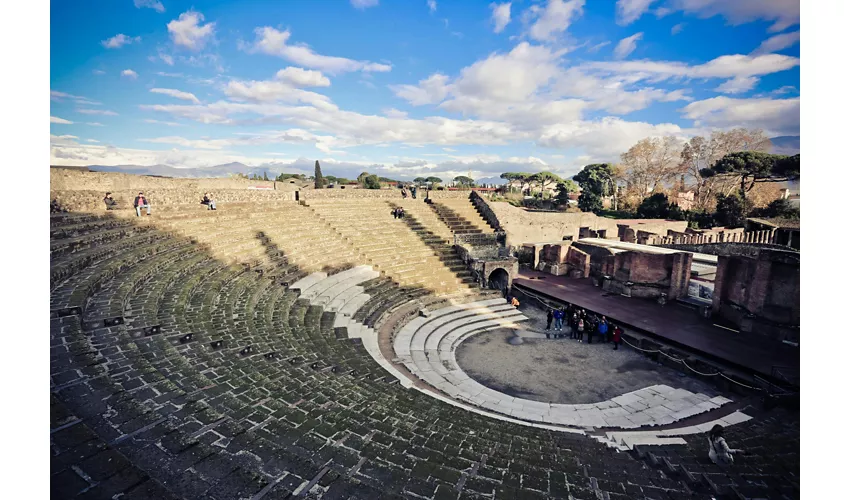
(563,370)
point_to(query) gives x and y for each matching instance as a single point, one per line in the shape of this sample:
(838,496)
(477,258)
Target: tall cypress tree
(320,182)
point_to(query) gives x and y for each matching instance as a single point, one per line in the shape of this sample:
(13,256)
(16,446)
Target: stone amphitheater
(277,348)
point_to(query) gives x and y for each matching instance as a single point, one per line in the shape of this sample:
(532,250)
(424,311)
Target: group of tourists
(412,192)
(580,322)
(141,202)
(398,213)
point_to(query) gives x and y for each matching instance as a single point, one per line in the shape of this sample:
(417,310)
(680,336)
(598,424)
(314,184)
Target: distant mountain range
(223,170)
(785,145)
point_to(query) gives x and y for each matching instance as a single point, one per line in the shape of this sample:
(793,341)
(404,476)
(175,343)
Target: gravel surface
(563,370)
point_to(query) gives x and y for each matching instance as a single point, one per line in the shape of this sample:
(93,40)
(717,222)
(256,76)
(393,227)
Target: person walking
(404,193)
(141,202)
(413,192)
(549,317)
(617,336)
(718,451)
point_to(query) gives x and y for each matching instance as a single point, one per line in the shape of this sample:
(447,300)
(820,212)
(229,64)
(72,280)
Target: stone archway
(499,279)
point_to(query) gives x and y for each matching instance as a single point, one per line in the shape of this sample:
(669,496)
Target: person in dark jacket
(141,202)
(618,336)
(110,203)
(208,201)
(549,317)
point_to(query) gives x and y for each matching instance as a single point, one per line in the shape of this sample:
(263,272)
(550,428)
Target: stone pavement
(674,323)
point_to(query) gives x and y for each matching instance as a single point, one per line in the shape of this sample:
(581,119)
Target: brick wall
(760,294)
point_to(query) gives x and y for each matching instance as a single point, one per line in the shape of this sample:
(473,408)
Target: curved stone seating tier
(219,382)
(427,347)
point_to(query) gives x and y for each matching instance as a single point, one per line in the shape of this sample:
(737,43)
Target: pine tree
(318,175)
(265,176)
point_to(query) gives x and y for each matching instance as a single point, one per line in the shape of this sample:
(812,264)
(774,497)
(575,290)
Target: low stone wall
(522,226)
(739,249)
(484,208)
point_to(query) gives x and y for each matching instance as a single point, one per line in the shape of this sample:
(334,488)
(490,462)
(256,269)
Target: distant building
(684,200)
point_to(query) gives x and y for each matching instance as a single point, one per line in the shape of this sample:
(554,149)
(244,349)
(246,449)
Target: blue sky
(410,87)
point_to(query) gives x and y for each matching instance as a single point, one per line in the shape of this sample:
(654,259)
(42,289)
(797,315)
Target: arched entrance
(498,279)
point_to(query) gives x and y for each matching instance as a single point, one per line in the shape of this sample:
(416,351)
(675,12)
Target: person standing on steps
(718,451)
(514,302)
(559,319)
(549,317)
(141,202)
(618,336)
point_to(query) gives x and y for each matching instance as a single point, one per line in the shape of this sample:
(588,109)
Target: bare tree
(699,153)
(651,163)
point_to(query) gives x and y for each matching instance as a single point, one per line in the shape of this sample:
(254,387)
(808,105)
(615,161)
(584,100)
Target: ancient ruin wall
(522,226)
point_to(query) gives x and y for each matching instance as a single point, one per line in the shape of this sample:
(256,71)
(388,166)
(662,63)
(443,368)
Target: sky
(408,88)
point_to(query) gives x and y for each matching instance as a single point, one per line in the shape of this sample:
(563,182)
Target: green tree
(544,180)
(565,187)
(362,178)
(419,180)
(597,178)
(655,207)
(778,208)
(750,167)
(731,210)
(434,181)
(464,181)
(371,182)
(588,201)
(317,175)
(265,176)
(516,179)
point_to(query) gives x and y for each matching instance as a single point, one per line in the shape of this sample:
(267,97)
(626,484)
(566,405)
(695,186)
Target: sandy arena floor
(563,370)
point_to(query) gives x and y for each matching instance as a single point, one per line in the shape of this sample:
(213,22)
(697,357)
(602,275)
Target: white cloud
(299,77)
(363,4)
(186,96)
(119,40)
(104,112)
(432,6)
(187,31)
(129,73)
(190,143)
(92,140)
(171,75)
(677,28)
(783,13)
(627,45)
(737,85)
(778,42)
(595,48)
(271,91)
(776,116)
(629,11)
(60,121)
(604,139)
(94,124)
(98,72)
(730,66)
(151,4)
(55,95)
(554,19)
(394,113)
(273,42)
(432,90)
(500,16)
(161,122)
(167,59)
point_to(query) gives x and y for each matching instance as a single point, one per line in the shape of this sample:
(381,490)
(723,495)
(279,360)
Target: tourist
(574,325)
(413,192)
(718,451)
(603,330)
(400,213)
(141,202)
(549,317)
(394,212)
(514,302)
(580,329)
(208,201)
(618,336)
(559,319)
(109,202)
(404,193)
